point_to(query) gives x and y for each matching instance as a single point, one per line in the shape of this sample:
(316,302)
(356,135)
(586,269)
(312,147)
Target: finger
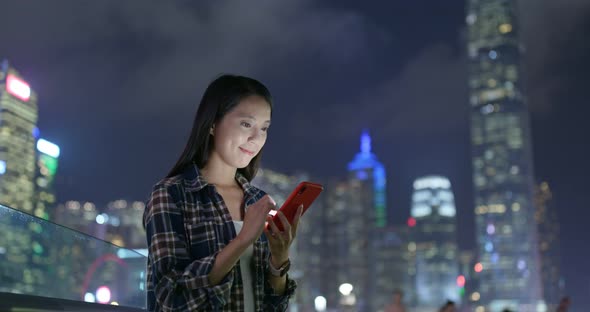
(284,221)
(272,201)
(266,229)
(296,219)
(271,206)
(273,227)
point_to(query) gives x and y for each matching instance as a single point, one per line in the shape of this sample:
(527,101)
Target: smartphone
(304,194)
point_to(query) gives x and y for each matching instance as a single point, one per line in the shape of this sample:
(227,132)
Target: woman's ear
(212,129)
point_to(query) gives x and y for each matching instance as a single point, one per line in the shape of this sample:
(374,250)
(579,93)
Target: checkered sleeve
(178,282)
(274,302)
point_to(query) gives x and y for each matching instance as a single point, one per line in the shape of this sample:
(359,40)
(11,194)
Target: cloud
(554,35)
(116,78)
(164,53)
(427,96)
(122,60)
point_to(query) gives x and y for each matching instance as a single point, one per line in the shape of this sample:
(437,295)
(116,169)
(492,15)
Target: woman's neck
(219,174)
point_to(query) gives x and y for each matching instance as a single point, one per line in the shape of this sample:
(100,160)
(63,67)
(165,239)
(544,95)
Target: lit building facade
(47,159)
(345,238)
(366,212)
(391,266)
(367,169)
(18,119)
(434,235)
(503,178)
(546,217)
(338,234)
(21,241)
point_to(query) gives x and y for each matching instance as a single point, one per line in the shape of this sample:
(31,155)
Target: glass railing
(44,259)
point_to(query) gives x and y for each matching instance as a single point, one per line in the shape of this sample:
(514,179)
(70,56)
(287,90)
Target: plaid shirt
(187,223)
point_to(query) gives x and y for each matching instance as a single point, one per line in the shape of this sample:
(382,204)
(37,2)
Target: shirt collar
(195,182)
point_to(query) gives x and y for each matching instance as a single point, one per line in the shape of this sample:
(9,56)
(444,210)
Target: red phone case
(305,193)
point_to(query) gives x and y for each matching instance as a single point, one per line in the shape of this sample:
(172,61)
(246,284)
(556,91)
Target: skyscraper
(18,118)
(41,261)
(391,265)
(503,177)
(367,213)
(45,200)
(342,244)
(546,217)
(367,169)
(435,238)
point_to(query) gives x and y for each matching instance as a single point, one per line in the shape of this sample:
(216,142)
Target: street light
(345,289)
(103,294)
(320,303)
(348,299)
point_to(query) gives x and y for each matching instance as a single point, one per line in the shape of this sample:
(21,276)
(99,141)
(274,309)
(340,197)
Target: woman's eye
(245,124)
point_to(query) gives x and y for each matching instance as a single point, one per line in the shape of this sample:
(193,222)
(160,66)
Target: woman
(204,221)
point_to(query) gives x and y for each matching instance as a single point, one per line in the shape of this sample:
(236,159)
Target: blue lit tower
(366,169)
(366,214)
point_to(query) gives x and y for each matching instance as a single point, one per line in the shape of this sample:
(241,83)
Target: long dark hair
(221,96)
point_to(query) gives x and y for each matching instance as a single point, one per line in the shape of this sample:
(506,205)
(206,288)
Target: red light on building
(411,222)
(461,281)
(18,88)
(478,267)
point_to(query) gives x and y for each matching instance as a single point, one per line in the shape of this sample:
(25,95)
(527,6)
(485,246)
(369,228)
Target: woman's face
(241,133)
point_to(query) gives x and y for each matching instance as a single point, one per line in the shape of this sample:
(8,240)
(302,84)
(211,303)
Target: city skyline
(125,92)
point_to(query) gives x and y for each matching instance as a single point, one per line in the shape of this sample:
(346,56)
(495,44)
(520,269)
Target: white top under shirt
(246,266)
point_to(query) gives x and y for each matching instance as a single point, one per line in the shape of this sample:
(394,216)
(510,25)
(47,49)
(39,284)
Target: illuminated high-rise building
(18,118)
(546,217)
(344,237)
(335,234)
(45,199)
(391,266)
(365,168)
(434,235)
(41,261)
(366,212)
(503,177)
(470,269)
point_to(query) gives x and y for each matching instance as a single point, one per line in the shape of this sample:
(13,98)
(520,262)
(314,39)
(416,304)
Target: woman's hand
(280,241)
(255,218)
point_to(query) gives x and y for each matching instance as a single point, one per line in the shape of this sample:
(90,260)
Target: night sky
(119,83)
